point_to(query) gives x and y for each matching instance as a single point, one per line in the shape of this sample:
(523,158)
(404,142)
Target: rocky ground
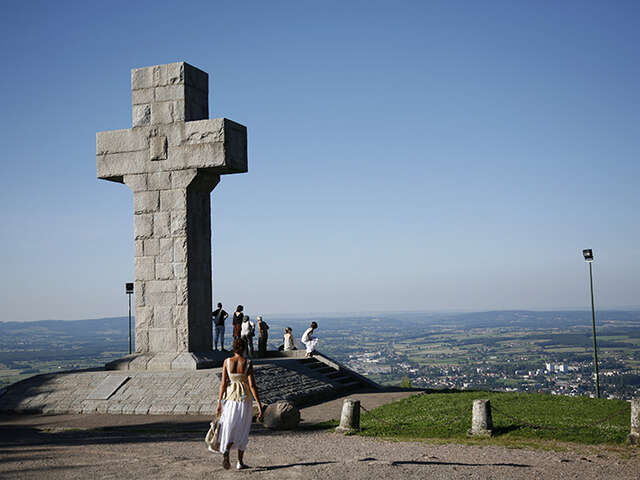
(170,447)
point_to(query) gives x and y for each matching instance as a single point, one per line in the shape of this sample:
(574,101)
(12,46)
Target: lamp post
(128,288)
(588,257)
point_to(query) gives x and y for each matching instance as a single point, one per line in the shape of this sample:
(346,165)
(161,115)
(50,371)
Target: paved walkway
(157,447)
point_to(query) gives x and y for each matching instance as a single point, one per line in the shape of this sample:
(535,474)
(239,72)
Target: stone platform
(279,377)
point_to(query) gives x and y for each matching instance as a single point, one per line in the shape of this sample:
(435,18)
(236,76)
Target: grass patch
(518,418)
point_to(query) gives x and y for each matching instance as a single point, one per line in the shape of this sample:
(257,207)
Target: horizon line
(630,308)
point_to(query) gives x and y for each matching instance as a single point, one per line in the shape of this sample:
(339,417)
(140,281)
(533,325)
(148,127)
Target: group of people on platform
(238,387)
(245,329)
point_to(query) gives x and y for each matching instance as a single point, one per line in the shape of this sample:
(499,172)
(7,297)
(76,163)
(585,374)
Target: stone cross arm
(218,145)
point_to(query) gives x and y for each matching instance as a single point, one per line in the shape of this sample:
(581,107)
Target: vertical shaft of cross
(172,260)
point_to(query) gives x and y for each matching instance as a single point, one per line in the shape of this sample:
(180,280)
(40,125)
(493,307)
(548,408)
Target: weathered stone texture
(145,202)
(142,226)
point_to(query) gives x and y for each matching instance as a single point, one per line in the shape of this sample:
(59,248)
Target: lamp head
(588,255)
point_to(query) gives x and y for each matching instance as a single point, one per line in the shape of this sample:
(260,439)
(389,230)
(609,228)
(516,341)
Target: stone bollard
(634,436)
(481,423)
(350,418)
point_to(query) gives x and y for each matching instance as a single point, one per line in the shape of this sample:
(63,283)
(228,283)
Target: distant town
(518,351)
(553,378)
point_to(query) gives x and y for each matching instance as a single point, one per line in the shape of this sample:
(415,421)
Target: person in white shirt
(309,341)
(247,332)
(288,340)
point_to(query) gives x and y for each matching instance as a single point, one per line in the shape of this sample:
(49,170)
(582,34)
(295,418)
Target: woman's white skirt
(235,424)
(310,344)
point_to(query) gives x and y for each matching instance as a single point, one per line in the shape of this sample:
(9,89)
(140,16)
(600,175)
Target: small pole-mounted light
(128,288)
(588,257)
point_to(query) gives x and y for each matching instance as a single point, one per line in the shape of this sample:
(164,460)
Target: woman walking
(235,404)
(309,341)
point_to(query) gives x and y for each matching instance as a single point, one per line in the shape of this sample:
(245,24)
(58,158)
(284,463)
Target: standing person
(235,404)
(309,341)
(246,332)
(237,321)
(263,335)
(219,316)
(288,340)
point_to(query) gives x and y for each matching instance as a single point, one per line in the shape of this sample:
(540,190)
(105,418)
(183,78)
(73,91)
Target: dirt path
(150,447)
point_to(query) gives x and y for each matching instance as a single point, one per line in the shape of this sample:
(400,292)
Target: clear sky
(402,155)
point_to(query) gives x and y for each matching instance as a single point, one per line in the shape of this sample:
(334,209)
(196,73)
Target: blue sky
(402,155)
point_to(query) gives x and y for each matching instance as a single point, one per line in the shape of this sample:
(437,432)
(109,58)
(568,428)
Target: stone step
(311,361)
(326,369)
(348,386)
(344,379)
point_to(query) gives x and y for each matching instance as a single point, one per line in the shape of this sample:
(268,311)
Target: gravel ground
(146,447)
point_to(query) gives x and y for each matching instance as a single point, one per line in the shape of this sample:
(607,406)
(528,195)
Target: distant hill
(118,326)
(97,327)
(54,340)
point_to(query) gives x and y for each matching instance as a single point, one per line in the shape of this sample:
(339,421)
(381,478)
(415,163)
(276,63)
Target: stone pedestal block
(481,422)
(160,361)
(350,417)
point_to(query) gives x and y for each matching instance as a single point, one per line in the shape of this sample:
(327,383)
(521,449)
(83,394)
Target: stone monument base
(168,361)
(290,378)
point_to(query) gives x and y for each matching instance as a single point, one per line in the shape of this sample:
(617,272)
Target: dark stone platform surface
(174,392)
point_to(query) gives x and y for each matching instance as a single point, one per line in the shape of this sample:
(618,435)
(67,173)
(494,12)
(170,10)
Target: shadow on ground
(458,464)
(44,434)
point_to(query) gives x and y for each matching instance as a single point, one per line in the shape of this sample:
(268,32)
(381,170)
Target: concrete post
(481,422)
(634,436)
(350,417)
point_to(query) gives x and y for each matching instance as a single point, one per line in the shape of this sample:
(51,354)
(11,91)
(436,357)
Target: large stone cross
(171,159)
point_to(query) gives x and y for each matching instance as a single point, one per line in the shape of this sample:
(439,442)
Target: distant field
(564,350)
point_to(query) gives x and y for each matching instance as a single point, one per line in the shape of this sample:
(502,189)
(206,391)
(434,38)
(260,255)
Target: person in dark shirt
(263,335)
(219,316)
(237,321)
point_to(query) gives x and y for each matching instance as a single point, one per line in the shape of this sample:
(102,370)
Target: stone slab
(107,387)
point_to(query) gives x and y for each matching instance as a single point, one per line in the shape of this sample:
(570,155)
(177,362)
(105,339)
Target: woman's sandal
(226,464)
